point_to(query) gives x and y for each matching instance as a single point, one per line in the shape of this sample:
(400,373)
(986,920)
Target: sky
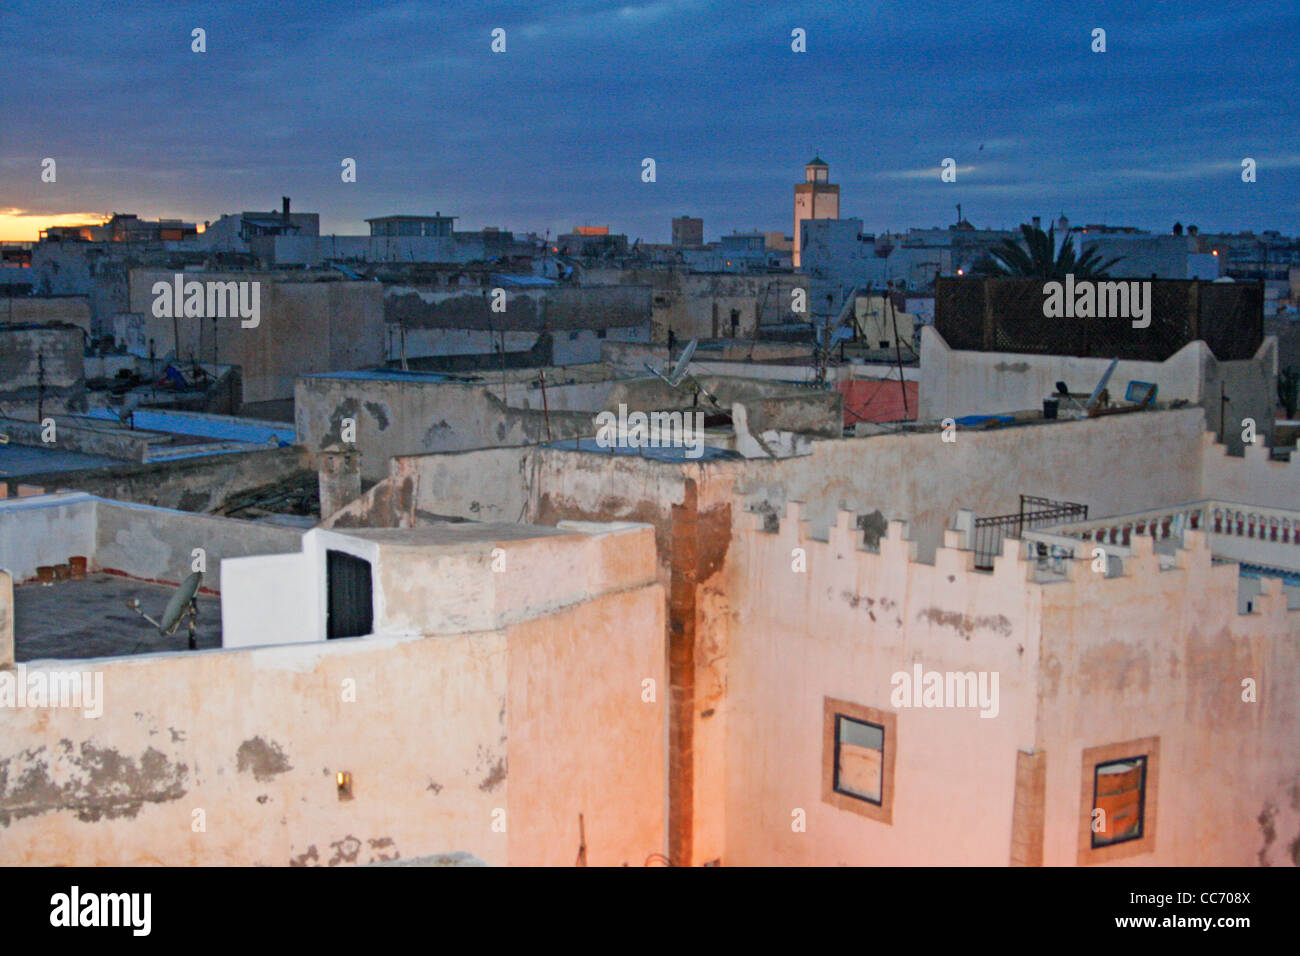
(553,132)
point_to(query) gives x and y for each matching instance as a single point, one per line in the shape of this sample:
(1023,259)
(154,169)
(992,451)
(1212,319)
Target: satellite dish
(680,375)
(179,602)
(674,378)
(679,370)
(181,606)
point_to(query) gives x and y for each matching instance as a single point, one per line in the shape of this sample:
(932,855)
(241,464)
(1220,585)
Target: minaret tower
(814,198)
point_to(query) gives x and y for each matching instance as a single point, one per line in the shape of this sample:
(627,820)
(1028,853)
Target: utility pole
(40,386)
(898,351)
(546,410)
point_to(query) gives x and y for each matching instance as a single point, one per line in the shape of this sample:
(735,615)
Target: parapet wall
(829,619)
(1152,646)
(491,742)
(153,544)
(1255,478)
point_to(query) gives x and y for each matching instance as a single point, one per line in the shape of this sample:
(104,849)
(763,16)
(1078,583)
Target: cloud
(555,127)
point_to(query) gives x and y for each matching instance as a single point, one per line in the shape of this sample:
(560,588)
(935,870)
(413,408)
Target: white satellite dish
(683,363)
(680,374)
(674,378)
(181,606)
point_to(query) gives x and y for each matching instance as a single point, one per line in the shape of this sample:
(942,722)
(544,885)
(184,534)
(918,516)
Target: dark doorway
(349,611)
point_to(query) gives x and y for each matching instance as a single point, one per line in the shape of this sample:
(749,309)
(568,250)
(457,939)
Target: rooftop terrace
(88,617)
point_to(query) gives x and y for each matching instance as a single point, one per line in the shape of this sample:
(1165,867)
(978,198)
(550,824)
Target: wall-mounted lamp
(344,780)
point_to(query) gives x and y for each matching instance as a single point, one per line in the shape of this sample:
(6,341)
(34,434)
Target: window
(858,749)
(859,758)
(1118,812)
(350,609)
(1117,797)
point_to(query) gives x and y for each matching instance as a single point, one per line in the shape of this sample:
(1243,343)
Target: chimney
(285,206)
(339,474)
(1038,222)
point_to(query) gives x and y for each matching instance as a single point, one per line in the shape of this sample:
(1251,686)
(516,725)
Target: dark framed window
(859,747)
(1119,797)
(1118,800)
(859,759)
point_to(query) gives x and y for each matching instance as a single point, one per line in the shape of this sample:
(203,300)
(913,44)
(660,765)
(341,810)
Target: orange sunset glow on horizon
(19,225)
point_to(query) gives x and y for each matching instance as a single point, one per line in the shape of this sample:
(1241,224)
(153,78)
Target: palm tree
(1043,260)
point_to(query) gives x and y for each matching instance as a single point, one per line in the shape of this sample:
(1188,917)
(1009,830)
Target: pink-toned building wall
(841,630)
(490,742)
(1164,653)
(1083,662)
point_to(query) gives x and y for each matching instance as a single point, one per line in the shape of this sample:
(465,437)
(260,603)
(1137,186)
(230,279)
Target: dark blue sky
(552,133)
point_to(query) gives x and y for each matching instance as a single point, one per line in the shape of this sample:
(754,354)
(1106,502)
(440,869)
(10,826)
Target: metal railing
(1035,512)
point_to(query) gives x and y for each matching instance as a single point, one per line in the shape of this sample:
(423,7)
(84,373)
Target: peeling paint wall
(956,383)
(841,629)
(236,763)
(1084,662)
(1163,653)
(411,417)
(1114,465)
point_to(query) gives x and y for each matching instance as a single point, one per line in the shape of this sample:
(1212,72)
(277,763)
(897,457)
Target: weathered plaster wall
(71,309)
(305,327)
(156,544)
(6,619)
(560,347)
(1114,465)
(1164,654)
(59,351)
(411,417)
(1253,479)
(261,763)
(45,529)
(196,484)
(540,719)
(956,383)
(556,308)
(585,716)
(842,629)
(1083,662)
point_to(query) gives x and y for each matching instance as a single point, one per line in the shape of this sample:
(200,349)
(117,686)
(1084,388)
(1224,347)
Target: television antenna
(182,606)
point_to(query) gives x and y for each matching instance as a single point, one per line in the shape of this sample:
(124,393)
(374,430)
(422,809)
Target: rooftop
(88,617)
(18,461)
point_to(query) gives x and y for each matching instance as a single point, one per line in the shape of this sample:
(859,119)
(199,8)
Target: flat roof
(393,375)
(675,455)
(452,533)
(438,218)
(88,617)
(17,461)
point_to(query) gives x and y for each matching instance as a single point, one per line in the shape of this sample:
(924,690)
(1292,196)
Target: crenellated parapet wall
(1148,646)
(1256,478)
